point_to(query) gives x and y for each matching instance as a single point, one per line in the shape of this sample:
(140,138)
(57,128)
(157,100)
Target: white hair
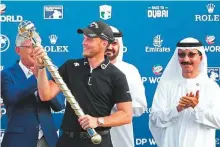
(21,39)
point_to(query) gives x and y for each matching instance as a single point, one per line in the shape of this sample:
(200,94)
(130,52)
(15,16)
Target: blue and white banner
(151,30)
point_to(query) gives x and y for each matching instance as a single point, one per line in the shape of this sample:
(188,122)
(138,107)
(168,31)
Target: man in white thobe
(123,136)
(186,104)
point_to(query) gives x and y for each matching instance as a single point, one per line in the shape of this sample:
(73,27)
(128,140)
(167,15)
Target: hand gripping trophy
(27,30)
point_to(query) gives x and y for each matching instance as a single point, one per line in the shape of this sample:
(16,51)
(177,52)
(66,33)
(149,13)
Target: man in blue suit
(30,122)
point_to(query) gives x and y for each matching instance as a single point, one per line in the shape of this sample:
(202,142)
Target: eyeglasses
(27,47)
(190,54)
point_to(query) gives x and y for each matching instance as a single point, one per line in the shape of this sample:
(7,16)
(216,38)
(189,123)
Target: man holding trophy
(97,86)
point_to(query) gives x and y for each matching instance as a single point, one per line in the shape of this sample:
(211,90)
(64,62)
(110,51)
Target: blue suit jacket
(25,111)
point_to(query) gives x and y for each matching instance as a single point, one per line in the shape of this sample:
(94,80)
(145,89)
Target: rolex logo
(210,7)
(53,39)
(210,16)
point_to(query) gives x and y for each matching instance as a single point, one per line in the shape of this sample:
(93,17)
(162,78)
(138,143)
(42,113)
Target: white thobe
(122,136)
(190,127)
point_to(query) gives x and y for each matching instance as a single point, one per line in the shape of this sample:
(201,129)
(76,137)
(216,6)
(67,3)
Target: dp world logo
(4,43)
(157,69)
(2,8)
(210,39)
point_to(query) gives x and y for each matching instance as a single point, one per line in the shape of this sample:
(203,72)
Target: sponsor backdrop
(151,31)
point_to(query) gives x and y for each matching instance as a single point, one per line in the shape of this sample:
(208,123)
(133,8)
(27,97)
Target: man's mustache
(110,50)
(186,63)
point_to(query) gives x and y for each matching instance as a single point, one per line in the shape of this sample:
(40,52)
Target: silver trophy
(27,30)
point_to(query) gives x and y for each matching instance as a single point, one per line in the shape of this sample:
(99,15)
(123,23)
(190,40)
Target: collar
(26,71)
(196,80)
(103,65)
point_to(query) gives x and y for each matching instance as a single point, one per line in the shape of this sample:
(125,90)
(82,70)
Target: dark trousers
(75,141)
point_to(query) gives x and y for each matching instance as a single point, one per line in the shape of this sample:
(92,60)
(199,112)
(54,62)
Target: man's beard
(114,56)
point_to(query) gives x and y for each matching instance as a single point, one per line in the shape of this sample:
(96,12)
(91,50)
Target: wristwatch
(100,121)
